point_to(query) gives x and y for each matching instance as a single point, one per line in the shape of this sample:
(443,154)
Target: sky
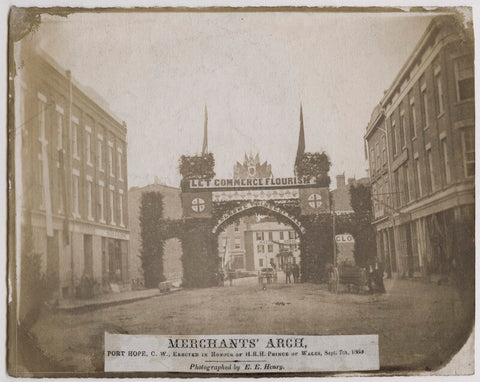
(157,71)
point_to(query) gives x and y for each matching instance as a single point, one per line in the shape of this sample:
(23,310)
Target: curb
(106,304)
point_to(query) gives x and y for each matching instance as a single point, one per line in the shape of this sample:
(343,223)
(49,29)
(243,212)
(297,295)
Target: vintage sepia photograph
(205,192)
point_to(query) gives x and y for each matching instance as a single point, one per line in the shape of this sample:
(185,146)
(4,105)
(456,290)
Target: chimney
(341,181)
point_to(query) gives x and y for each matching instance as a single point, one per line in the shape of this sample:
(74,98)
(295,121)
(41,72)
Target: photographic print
(240,191)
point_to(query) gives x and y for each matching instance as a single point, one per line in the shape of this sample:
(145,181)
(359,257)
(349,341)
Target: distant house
(172,209)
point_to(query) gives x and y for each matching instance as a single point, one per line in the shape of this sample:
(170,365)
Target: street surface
(420,325)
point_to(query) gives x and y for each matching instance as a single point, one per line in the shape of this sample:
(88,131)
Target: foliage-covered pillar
(152,233)
(200,257)
(199,244)
(316,247)
(365,243)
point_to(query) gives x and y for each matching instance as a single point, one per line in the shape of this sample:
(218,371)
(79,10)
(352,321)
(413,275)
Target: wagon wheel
(333,280)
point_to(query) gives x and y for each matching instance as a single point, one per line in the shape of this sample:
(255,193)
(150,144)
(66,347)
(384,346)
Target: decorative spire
(301,143)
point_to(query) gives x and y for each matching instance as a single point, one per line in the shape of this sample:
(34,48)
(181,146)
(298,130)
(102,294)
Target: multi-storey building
(231,243)
(270,243)
(421,146)
(71,177)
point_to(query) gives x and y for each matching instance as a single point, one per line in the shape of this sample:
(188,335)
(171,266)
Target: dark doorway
(53,261)
(88,256)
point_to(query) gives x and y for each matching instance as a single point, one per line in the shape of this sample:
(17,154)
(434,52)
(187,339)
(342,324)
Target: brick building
(71,177)
(421,149)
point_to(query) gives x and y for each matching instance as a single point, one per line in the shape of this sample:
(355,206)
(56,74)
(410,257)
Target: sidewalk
(109,299)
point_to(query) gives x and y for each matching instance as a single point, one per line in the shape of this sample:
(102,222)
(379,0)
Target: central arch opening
(259,242)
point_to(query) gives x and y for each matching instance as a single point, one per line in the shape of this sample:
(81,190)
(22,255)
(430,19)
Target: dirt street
(420,325)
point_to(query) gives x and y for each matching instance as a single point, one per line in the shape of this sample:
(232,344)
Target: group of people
(292,270)
(375,278)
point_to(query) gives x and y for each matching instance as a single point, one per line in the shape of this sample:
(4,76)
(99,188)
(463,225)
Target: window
(260,248)
(110,158)
(75,137)
(291,234)
(439,98)
(260,262)
(445,162)
(413,121)
(464,76)
(270,236)
(236,226)
(89,199)
(468,142)
(424,105)
(281,235)
(101,203)
(59,131)
(88,147)
(119,165)
(112,207)
(380,198)
(60,190)
(75,196)
(402,130)
(41,119)
(41,189)
(418,179)
(120,208)
(270,248)
(100,154)
(396,176)
(259,235)
(237,243)
(406,187)
(394,137)
(372,160)
(43,142)
(384,149)
(377,150)
(387,193)
(428,164)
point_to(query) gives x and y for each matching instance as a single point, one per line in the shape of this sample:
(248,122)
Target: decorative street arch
(209,205)
(257,205)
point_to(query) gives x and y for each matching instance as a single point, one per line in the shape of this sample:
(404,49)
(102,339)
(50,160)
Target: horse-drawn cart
(352,276)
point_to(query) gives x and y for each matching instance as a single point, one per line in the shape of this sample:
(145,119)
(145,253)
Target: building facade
(71,178)
(231,243)
(421,151)
(271,244)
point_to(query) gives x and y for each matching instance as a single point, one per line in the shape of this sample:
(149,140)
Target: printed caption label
(240,353)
